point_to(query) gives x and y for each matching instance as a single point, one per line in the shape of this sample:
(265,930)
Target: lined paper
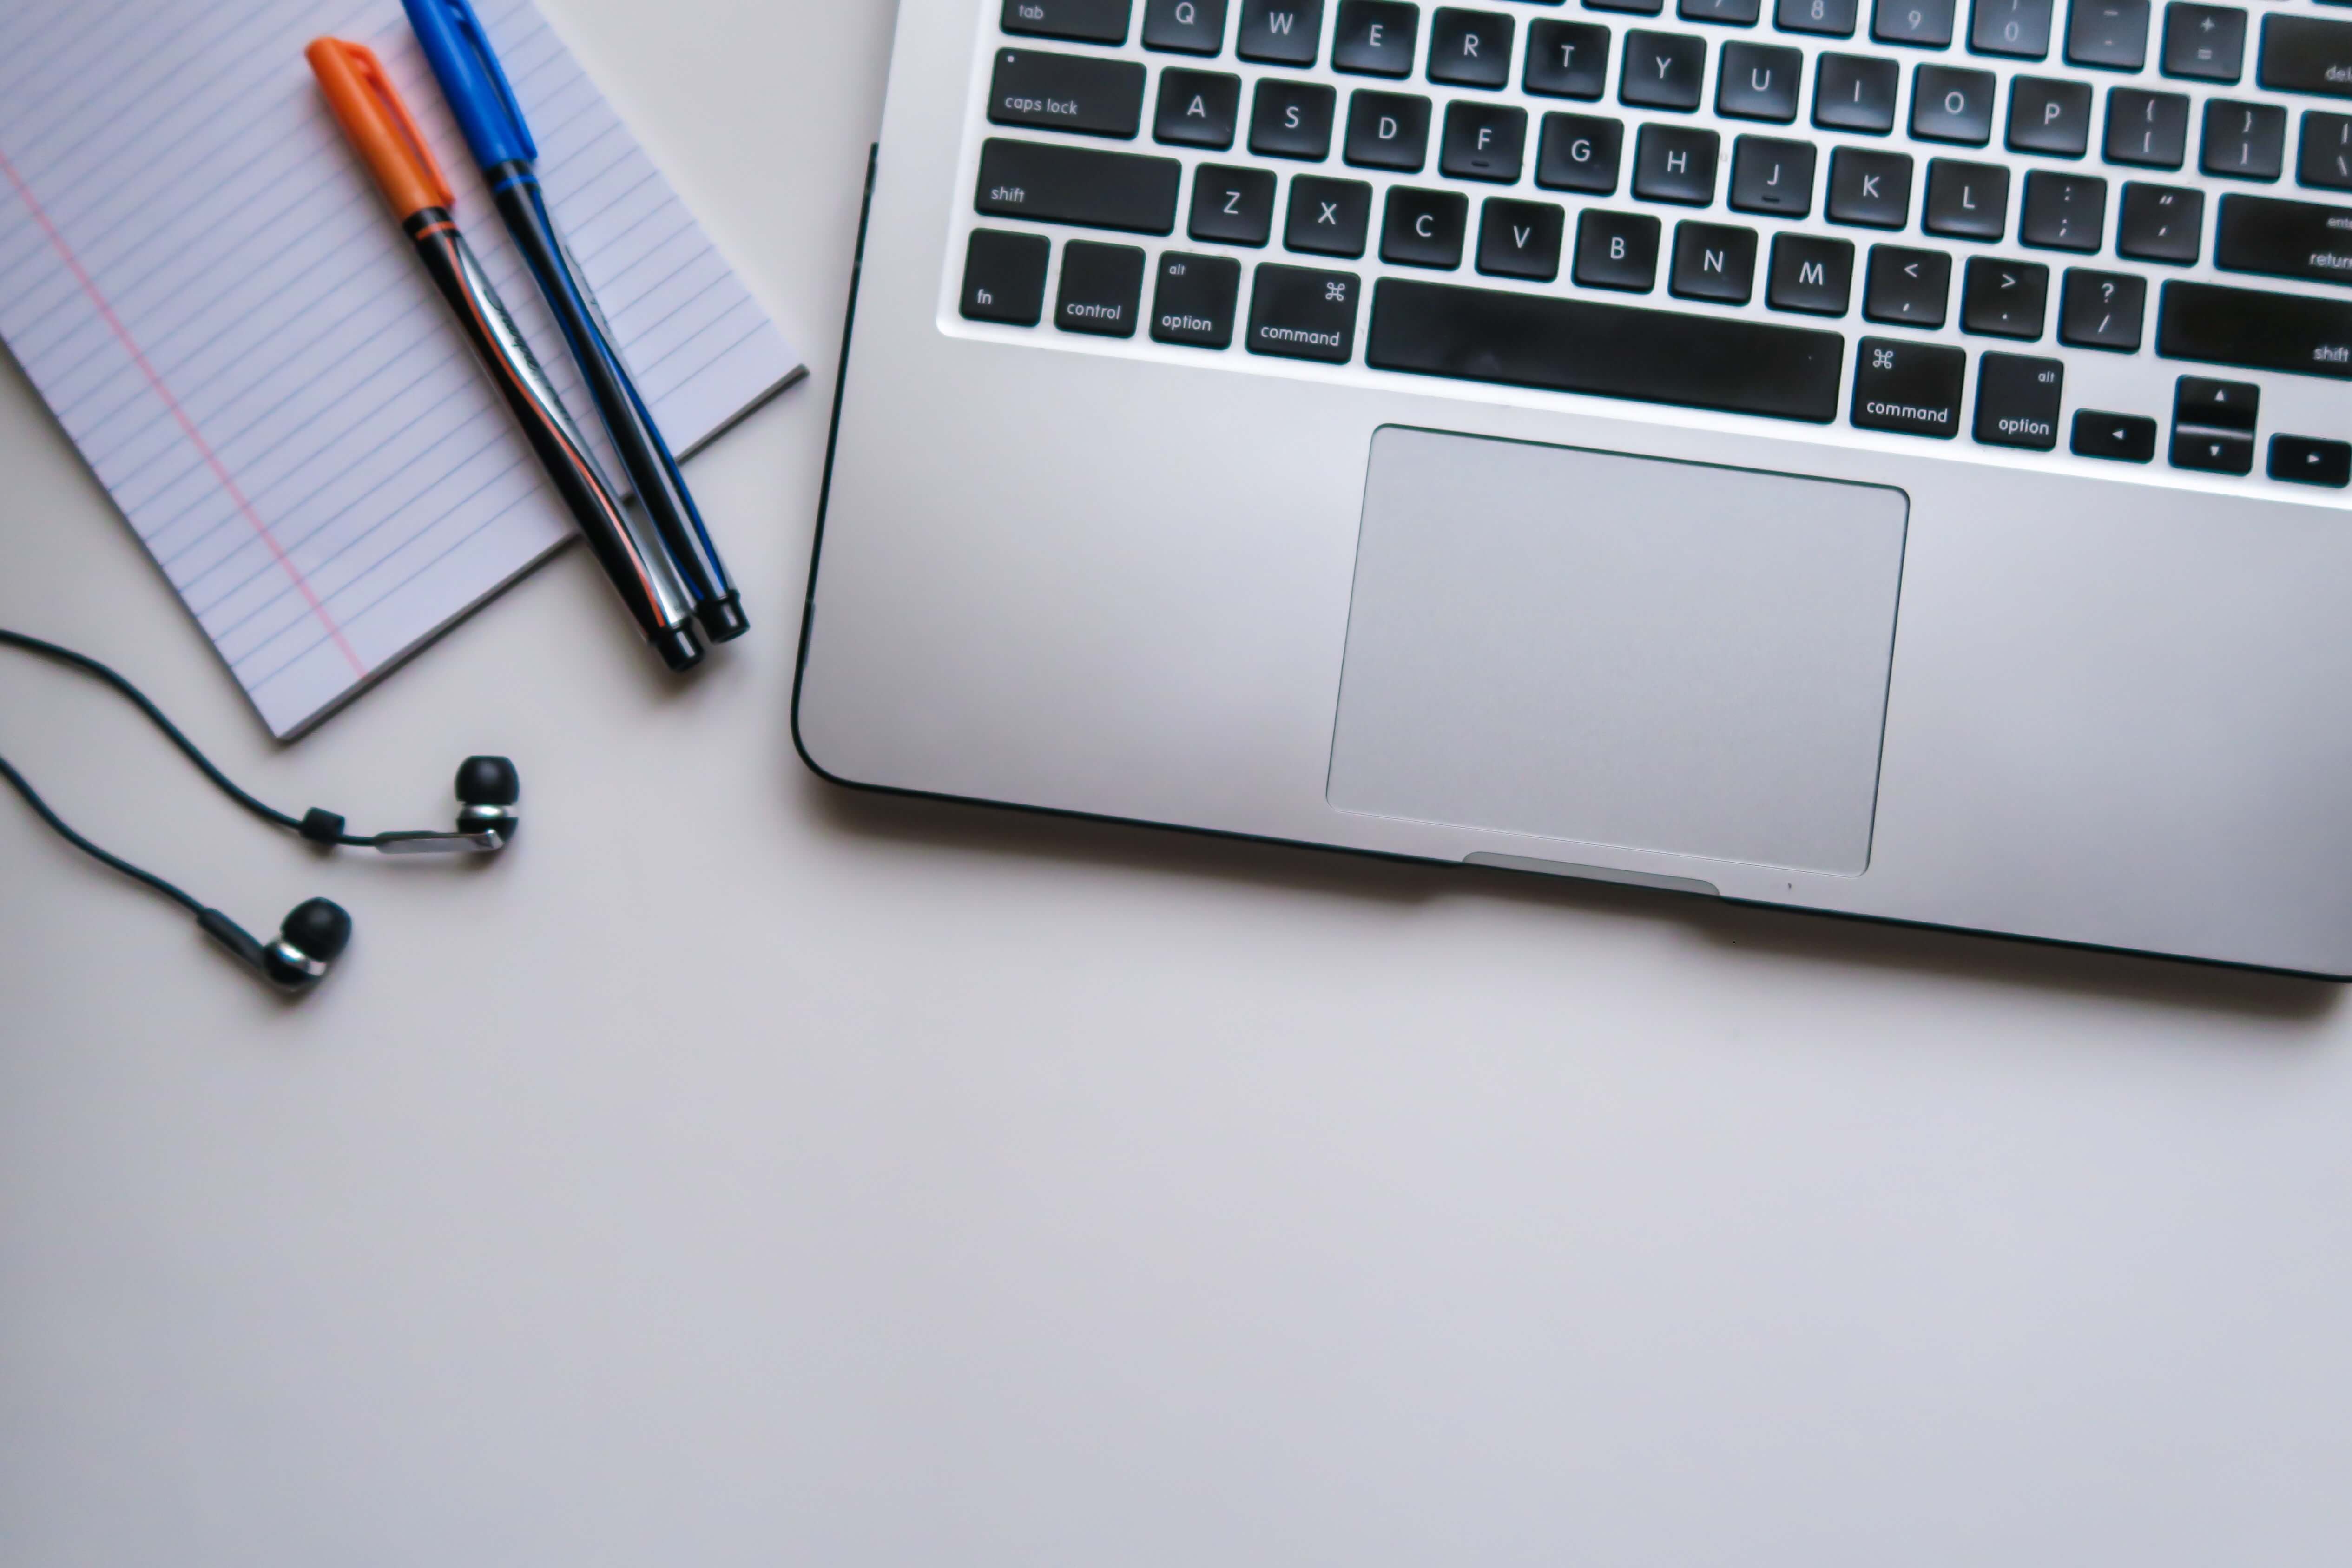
(206,287)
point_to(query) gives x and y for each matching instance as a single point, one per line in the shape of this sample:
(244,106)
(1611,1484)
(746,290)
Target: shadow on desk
(1827,940)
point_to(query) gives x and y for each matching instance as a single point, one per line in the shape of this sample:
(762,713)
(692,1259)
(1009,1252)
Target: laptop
(1885,459)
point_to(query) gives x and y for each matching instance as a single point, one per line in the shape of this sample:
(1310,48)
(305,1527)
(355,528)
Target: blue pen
(470,77)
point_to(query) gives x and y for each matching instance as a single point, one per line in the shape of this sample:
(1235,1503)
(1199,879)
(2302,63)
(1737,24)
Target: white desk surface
(741,1172)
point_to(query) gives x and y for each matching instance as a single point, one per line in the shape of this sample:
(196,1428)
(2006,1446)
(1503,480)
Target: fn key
(1005,277)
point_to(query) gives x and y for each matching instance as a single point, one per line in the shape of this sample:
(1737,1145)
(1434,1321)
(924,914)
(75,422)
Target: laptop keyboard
(2088,235)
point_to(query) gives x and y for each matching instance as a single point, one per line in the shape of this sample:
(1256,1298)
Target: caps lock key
(1066,92)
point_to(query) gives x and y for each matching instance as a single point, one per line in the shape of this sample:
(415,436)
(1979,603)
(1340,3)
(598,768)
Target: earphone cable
(41,809)
(227,785)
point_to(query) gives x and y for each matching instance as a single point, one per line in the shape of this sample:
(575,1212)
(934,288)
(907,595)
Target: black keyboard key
(1566,60)
(1661,70)
(1298,312)
(1054,182)
(2146,130)
(1949,104)
(1870,190)
(1081,21)
(1908,288)
(1966,201)
(1292,119)
(2326,161)
(2063,212)
(1725,362)
(1640,7)
(2018,28)
(1732,13)
(1231,206)
(1855,92)
(2004,299)
(1280,32)
(2049,117)
(2202,402)
(1828,18)
(2244,141)
(2109,35)
(1328,217)
(1102,289)
(2306,54)
(2117,437)
(1580,152)
(2204,43)
(1520,239)
(1376,37)
(1484,141)
(1924,24)
(1770,175)
(1197,109)
(2284,239)
(2160,223)
(2101,310)
(2305,460)
(1387,131)
(1617,250)
(1194,301)
(1424,228)
(1185,28)
(1810,275)
(1713,261)
(1910,388)
(2017,401)
(1005,277)
(2212,451)
(1676,164)
(1758,81)
(1470,48)
(1066,92)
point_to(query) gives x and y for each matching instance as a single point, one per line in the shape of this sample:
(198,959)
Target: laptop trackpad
(1619,650)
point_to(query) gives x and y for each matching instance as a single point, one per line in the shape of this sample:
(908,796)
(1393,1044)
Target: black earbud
(307,944)
(489,792)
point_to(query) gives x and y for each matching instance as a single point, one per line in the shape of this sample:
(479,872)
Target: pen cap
(472,81)
(379,125)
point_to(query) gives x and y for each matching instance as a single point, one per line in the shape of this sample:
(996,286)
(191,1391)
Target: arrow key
(2302,460)
(2117,437)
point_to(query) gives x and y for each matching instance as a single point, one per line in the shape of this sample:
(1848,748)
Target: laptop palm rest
(1616,651)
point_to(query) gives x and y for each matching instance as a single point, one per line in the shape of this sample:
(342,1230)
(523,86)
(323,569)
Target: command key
(1303,312)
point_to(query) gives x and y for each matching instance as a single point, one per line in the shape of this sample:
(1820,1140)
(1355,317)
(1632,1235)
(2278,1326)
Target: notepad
(203,283)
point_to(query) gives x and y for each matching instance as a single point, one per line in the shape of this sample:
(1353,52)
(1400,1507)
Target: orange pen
(385,136)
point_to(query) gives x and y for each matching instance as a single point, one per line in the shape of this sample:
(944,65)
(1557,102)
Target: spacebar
(1610,350)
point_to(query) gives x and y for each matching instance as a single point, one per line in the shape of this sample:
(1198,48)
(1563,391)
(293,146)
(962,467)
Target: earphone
(315,933)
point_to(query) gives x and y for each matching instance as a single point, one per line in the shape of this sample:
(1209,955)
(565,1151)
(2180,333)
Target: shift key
(1053,183)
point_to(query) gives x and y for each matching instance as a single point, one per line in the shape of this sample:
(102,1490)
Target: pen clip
(469,26)
(371,75)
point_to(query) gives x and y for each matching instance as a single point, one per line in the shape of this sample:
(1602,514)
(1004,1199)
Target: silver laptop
(1886,460)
